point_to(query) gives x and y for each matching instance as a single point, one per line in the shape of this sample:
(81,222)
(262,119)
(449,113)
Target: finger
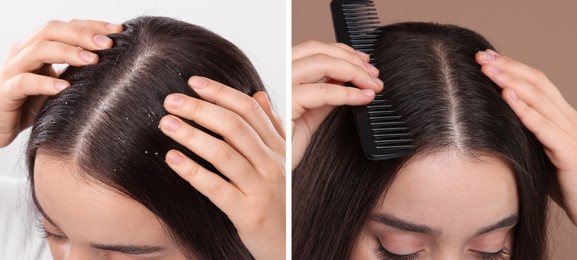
(241,104)
(364,56)
(531,95)
(303,128)
(337,50)
(520,70)
(235,130)
(311,96)
(545,131)
(73,34)
(100,26)
(262,98)
(47,52)
(29,84)
(223,157)
(223,194)
(318,67)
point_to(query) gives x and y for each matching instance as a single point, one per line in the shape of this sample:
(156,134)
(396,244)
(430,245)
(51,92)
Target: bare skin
(421,217)
(84,219)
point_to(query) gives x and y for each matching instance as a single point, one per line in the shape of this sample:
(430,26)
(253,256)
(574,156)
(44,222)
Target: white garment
(20,238)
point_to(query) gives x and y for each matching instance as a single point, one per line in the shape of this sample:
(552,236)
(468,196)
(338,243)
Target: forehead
(90,211)
(450,190)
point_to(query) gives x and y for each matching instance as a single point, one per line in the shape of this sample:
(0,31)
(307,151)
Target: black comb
(384,134)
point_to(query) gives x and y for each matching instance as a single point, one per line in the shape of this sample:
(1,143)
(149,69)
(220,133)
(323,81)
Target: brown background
(541,34)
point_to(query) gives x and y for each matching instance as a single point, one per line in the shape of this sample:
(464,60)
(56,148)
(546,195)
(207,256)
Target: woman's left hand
(252,156)
(543,110)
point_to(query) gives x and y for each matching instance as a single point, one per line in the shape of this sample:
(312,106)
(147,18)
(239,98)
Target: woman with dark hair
(492,138)
(140,102)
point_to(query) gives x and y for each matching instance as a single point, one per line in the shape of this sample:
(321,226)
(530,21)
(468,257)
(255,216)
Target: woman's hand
(544,111)
(252,156)
(27,77)
(318,73)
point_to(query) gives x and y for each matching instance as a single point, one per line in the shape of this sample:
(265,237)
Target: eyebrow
(506,222)
(129,249)
(400,224)
(125,249)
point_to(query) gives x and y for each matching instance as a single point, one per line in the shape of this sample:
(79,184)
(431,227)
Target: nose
(449,255)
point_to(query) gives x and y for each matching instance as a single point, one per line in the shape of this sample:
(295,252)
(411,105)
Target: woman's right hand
(27,77)
(319,71)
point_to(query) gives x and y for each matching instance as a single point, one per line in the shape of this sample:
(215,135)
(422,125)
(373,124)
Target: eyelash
(500,255)
(386,255)
(47,235)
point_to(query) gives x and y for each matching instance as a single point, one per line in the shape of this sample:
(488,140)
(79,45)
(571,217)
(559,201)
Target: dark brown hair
(432,79)
(107,124)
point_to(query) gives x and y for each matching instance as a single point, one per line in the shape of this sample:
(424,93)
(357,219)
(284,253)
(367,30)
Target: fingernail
(88,57)
(377,80)
(170,124)
(174,158)
(372,69)
(492,52)
(113,26)
(513,95)
(486,57)
(197,82)
(368,92)
(494,70)
(59,85)
(174,101)
(363,55)
(101,40)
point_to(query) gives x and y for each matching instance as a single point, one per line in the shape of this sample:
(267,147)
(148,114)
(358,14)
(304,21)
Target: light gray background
(257,27)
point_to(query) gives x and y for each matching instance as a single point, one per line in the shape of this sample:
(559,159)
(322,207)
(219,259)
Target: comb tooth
(394,141)
(356,4)
(378,119)
(359,27)
(357,8)
(391,129)
(379,100)
(364,18)
(363,22)
(387,124)
(363,36)
(378,103)
(373,113)
(362,46)
(392,135)
(367,13)
(360,42)
(409,147)
(378,106)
